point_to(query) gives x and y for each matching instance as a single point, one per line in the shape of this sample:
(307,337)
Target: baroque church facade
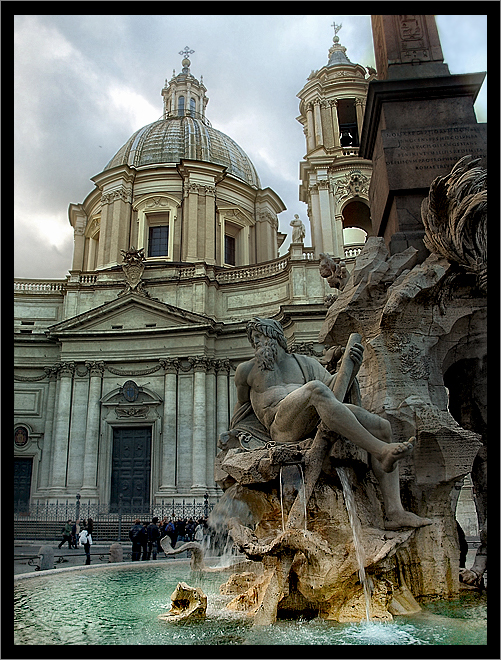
(124,369)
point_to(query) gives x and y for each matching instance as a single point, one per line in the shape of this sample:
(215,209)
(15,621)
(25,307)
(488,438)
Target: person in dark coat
(136,534)
(170,531)
(144,542)
(180,529)
(66,531)
(153,534)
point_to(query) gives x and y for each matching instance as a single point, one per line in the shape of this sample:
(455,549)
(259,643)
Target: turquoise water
(121,606)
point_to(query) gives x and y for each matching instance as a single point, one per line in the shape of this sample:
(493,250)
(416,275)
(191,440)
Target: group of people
(78,535)
(146,537)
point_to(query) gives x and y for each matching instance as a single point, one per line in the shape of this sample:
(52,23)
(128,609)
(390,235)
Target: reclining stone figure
(289,394)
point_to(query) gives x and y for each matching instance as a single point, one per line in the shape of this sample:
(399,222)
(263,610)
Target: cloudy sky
(84,84)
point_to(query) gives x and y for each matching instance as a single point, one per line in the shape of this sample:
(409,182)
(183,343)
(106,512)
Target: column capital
(95,368)
(66,369)
(51,372)
(199,363)
(170,365)
(223,366)
(333,103)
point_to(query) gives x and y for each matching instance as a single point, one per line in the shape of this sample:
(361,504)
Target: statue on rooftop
(298,231)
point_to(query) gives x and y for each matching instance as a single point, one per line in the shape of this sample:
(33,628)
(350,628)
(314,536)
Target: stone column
(47,450)
(198,471)
(105,230)
(210,421)
(91,256)
(169,427)
(310,134)
(89,484)
(61,429)
(76,448)
(335,124)
(359,107)
(210,223)
(222,408)
(319,137)
(315,220)
(79,243)
(120,225)
(190,222)
(326,219)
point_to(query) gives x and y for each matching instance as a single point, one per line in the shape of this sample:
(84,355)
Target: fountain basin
(120,604)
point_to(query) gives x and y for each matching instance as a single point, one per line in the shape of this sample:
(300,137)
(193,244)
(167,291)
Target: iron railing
(43,521)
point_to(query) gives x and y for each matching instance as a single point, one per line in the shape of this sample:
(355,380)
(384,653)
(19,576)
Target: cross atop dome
(186,62)
(186,52)
(337,52)
(336,28)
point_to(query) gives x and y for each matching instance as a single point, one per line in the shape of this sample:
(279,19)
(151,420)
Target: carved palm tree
(455,218)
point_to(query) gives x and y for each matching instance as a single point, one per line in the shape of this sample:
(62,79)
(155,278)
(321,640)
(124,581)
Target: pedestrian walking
(171,533)
(190,530)
(136,533)
(75,531)
(66,532)
(144,542)
(85,540)
(153,534)
(199,532)
(180,529)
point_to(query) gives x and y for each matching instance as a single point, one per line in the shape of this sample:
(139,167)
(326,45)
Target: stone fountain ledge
(96,567)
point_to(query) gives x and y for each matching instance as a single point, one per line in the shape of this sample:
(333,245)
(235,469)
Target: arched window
(193,106)
(180,105)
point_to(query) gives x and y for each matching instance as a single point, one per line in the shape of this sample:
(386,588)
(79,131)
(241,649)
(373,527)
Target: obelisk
(419,121)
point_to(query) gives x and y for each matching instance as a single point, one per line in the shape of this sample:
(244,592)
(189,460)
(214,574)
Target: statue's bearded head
(265,336)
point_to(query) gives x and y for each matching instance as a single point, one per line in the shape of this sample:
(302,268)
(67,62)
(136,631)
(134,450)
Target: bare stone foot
(400,518)
(469,577)
(393,452)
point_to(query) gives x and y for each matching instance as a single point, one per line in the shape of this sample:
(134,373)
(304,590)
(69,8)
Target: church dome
(174,138)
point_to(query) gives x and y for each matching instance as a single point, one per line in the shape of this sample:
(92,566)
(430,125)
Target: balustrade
(39,286)
(352,251)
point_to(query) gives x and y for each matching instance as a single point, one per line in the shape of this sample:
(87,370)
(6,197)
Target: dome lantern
(184,95)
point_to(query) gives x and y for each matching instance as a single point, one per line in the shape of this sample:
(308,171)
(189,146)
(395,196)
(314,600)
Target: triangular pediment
(130,313)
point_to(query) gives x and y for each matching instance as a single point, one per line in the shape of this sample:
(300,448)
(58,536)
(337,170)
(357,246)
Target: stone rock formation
(116,553)
(45,558)
(187,603)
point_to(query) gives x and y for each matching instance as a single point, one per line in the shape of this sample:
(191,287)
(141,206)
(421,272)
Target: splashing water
(126,602)
(356,528)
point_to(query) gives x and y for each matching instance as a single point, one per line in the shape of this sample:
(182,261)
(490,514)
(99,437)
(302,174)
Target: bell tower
(334,179)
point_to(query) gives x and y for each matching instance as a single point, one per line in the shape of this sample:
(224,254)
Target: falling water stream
(356,528)
(291,484)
